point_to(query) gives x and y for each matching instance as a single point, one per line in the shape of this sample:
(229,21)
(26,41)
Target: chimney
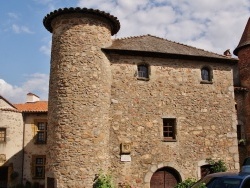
(32,97)
(227,53)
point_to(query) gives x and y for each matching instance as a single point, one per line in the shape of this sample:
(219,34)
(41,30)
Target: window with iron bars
(41,137)
(2,134)
(143,71)
(39,162)
(169,129)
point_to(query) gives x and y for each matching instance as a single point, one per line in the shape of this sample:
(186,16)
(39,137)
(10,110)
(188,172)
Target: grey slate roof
(152,44)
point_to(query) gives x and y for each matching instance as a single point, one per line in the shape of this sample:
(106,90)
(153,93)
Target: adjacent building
(11,144)
(23,136)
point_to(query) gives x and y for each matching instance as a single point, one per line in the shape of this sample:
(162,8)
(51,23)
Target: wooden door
(163,179)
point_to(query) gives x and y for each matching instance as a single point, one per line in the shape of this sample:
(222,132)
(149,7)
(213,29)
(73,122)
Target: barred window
(2,134)
(41,137)
(206,74)
(169,129)
(143,71)
(38,165)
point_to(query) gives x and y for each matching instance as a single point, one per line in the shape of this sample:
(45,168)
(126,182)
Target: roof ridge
(140,36)
(190,46)
(131,37)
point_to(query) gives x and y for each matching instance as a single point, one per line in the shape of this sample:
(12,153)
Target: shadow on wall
(26,168)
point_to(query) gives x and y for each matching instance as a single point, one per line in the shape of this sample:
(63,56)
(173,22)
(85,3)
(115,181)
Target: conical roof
(245,39)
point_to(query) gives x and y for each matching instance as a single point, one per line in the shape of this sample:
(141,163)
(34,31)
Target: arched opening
(166,177)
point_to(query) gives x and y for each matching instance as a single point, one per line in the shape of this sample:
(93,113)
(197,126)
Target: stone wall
(30,146)
(11,150)
(205,115)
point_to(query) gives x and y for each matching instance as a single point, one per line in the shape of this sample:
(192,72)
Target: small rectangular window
(2,134)
(143,72)
(41,137)
(169,129)
(39,166)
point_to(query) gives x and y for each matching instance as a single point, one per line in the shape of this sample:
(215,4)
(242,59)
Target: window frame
(2,132)
(141,76)
(35,165)
(40,131)
(206,79)
(169,132)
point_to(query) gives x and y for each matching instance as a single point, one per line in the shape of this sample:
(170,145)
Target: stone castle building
(147,110)
(144,109)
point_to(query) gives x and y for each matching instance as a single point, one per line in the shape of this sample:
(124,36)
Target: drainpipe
(23,115)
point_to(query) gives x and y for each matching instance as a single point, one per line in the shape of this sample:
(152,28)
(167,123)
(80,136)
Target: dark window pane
(169,128)
(39,171)
(2,134)
(205,74)
(143,71)
(239,132)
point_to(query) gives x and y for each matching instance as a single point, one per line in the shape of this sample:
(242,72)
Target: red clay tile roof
(152,45)
(39,106)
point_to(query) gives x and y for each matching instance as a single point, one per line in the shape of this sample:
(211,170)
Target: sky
(25,45)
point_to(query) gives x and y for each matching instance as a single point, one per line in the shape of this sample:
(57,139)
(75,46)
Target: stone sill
(206,82)
(169,140)
(142,78)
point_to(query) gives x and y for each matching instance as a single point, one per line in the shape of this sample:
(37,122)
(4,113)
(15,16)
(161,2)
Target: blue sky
(25,44)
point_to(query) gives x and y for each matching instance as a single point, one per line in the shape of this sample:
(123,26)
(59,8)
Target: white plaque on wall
(125,158)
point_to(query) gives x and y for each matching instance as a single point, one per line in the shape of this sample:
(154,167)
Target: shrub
(103,181)
(186,183)
(217,166)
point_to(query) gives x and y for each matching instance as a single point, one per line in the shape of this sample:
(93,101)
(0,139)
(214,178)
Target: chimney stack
(32,98)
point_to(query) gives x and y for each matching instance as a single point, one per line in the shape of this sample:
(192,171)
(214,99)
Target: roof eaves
(10,110)
(223,59)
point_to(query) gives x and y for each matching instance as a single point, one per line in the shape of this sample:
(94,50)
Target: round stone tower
(79,96)
(243,52)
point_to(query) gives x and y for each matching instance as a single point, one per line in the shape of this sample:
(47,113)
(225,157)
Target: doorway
(3,176)
(165,178)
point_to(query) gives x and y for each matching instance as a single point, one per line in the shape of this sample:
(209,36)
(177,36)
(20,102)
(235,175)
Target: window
(206,74)
(39,166)
(41,132)
(169,129)
(2,134)
(143,71)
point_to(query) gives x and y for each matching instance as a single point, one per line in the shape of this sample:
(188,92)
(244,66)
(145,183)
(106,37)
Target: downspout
(23,115)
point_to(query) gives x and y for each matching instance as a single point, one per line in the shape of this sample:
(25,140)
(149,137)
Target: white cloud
(13,15)
(46,49)
(21,29)
(217,25)
(37,83)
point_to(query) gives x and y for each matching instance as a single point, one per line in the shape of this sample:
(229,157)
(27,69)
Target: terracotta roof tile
(149,43)
(9,110)
(39,106)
